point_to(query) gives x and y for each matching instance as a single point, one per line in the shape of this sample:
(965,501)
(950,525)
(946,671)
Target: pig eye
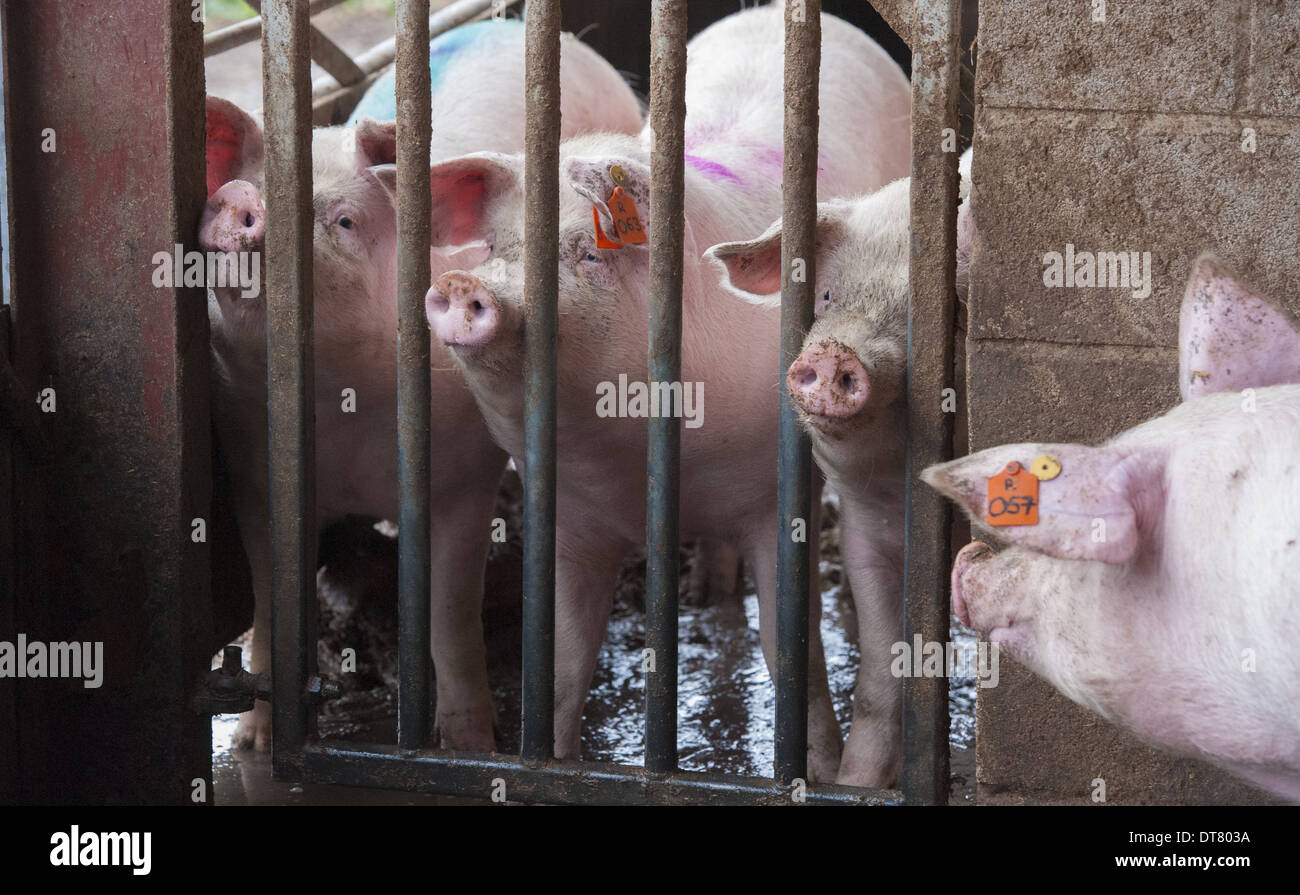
(345,222)
(591,256)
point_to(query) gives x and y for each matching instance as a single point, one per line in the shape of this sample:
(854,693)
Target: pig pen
(1116,133)
(758,718)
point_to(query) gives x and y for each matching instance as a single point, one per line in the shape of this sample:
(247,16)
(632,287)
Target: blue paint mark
(380,101)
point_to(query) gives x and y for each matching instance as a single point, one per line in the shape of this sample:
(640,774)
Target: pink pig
(730,350)
(1159,586)
(477,103)
(848,386)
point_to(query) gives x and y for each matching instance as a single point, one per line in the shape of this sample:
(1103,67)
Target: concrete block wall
(1130,134)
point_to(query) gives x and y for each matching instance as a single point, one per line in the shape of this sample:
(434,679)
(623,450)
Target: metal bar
(936,33)
(249,30)
(798,241)
(326,53)
(477,776)
(286,77)
(541,292)
(667,223)
(413,445)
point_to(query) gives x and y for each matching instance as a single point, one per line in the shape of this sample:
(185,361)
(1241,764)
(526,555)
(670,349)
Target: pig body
(848,386)
(478,101)
(729,351)
(1159,587)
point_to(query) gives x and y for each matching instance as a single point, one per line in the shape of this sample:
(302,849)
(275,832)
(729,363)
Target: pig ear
(387,177)
(751,270)
(1089,510)
(464,190)
(593,179)
(376,142)
(1230,338)
(234,142)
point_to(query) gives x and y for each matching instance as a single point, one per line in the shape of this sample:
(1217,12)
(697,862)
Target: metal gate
(287,43)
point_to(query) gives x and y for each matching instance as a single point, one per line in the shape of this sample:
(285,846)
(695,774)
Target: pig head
(1158,585)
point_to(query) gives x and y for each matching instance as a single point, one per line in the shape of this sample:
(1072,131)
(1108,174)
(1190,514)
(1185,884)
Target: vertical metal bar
(803,38)
(413,205)
(541,290)
(667,223)
(936,32)
(286,97)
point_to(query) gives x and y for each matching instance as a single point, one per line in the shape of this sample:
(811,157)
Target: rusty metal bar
(667,226)
(286,76)
(249,30)
(803,38)
(588,783)
(936,38)
(541,293)
(413,444)
(326,53)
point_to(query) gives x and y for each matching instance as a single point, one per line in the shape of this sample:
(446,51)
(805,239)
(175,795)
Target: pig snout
(973,553)
(828,380)
(233,219)
(461,310)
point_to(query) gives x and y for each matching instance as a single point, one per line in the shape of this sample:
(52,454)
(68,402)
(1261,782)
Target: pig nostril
(478,308)
(440,303)
(807,377)
(846,383)
(248,219)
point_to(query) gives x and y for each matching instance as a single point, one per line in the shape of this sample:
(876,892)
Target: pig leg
(873,753)
(584,594)
(460,538)
(823,730)
(254,728)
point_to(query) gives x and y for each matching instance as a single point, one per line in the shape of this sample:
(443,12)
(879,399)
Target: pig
(733,168)
(848,387)
(477,102)
(1158,587)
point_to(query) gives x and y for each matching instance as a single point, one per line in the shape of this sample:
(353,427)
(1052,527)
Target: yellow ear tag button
(1045,468)
(618,175)
(1012,497)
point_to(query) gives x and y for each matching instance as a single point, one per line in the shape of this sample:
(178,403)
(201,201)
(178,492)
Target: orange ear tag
(627,223)
(602,241)
(1013,497)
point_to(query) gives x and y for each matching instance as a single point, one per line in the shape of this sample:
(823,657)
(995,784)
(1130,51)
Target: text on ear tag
(627,223)
(1012,497)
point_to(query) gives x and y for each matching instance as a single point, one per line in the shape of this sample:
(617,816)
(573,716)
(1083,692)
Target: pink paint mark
(711,169)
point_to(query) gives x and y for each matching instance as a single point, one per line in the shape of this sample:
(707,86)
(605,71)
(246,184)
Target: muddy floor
(726,699)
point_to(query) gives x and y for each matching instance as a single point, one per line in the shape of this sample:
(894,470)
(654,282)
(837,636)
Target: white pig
(1159,587)
(478,102)
(730,351)
(848,386)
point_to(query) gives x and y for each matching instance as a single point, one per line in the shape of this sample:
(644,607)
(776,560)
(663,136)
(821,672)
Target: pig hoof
(466,731)
(254,730)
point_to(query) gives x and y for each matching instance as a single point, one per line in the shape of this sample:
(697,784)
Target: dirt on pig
(726,699)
